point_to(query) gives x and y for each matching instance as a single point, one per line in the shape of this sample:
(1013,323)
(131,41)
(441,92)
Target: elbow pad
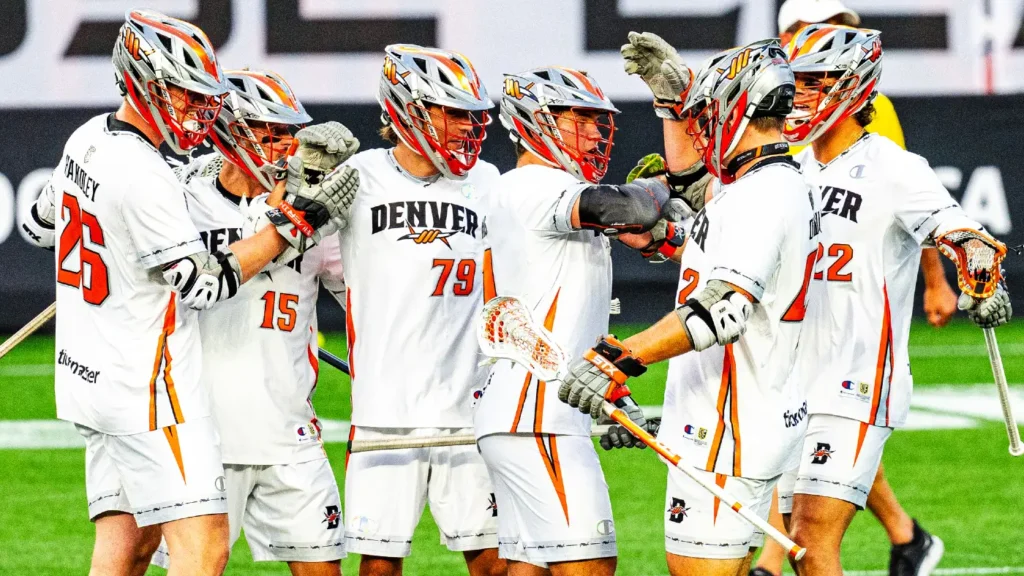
(633,208)
(717,315)
(203,279)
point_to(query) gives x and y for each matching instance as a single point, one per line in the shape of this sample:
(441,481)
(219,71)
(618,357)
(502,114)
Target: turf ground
(959,481)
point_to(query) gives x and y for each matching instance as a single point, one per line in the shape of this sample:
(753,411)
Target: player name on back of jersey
(443,216)
(78,175)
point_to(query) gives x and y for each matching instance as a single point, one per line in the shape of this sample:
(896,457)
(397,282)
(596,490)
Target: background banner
(973,141)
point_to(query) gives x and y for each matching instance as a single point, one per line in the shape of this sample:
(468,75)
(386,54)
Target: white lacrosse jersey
(879,204)
(565,277)
(414,268)
(127,352)
(736,409)
(260,347)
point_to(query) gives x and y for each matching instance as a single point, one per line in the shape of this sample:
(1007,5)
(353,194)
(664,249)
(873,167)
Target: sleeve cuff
(753,286)
(563,209)
(163,256)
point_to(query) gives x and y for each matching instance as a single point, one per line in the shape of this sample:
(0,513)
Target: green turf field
(960,481)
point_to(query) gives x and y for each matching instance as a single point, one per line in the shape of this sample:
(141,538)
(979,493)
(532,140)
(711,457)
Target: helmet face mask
(584,135)
(447,135)
(188,115)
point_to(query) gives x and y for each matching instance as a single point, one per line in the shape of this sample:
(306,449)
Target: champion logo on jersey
(849,385)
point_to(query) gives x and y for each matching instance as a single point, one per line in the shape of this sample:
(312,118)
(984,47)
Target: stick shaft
(428,442)
(796,552)
(27,330)
(995,359)
(333,360)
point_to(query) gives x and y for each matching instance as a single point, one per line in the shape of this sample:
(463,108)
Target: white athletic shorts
(158,476)
(552,498)
(698,525)
(289,512)
(839,460)
(785,490)
(385,492)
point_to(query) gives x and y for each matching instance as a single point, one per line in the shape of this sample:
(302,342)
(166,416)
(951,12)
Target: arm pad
(716,315)
(37,224)
(633,207)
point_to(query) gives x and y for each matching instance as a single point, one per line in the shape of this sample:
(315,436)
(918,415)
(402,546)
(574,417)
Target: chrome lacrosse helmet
(155,53)
(838,68)
(257,124)
(419,89)
(731,88)
(533,103)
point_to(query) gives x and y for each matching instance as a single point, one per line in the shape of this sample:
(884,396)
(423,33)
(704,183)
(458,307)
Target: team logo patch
(677,511)
(822,453)
(429,236)
(859,390)
(332,516)
(702,433)
(492,505)
(863,388)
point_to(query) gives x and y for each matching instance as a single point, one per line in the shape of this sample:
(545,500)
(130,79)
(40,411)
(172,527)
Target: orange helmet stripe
(808,44)
(207,59)
(590,86)
(459,72)
(281,91)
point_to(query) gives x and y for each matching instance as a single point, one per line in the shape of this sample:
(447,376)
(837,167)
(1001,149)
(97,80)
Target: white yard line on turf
(945,571)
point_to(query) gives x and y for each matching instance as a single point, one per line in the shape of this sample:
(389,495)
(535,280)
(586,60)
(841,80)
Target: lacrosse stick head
(507,330)
(977,257)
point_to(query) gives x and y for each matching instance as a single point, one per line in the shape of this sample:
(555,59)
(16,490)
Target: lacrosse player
(261,379)
(417,277)
(134,281)
(549,222)
(731,408)
(880,205)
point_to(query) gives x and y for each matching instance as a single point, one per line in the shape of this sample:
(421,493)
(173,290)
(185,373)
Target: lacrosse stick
(27,330)
(332,360)
(507,330)
(977,257)
(430,441)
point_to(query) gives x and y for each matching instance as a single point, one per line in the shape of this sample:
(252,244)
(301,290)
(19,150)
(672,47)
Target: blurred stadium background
(954,70)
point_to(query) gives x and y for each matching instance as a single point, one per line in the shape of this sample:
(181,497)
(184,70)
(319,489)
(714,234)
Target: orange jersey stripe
(522,402)
(723,395)
(171,433)
(720,481)
(490,291)
(554,469)
(350,334)
(860,440)
(170,318)
(348,450)
(883,348)
(734,416)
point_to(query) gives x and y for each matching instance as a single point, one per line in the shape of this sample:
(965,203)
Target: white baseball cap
(814,11)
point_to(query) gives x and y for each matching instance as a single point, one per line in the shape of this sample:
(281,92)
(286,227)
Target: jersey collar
(398,167)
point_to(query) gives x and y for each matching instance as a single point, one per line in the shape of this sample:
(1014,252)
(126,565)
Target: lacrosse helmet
(257,98)
(731,88)
(154,52)
(530,106)
(845,65)
(414,78)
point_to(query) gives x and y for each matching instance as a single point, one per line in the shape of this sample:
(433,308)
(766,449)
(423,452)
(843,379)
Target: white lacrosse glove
(717,315)
(658,64)
(323,147)
(988,313)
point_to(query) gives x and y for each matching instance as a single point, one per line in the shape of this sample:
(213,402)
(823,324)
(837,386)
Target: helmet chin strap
(743,158)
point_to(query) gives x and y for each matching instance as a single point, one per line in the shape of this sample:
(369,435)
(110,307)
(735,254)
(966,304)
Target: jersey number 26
(95,287)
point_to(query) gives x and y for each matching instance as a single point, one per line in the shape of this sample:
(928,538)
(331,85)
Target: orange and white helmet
(530,104)
(414,78)
(260,117)
(837,69)
(154,52)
